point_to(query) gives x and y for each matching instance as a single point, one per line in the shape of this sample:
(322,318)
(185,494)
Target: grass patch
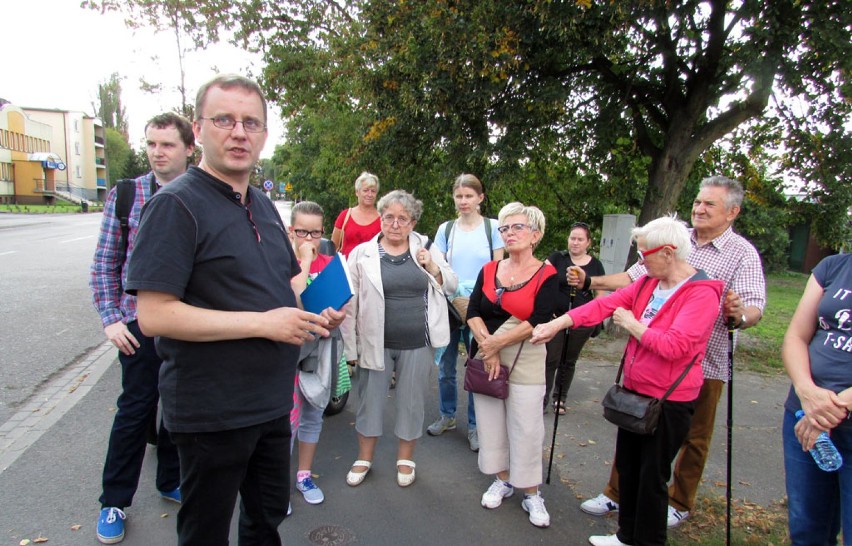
(750,524)
(61,207)
(759,348)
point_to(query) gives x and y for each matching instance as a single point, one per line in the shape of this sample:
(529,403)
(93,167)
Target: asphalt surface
(52,451)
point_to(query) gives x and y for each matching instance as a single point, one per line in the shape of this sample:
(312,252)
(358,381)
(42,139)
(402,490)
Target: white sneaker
(676,517)
(605,540)
(534,505)
(497,491)
(599,506)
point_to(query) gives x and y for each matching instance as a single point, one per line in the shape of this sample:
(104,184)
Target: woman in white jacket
(396,275)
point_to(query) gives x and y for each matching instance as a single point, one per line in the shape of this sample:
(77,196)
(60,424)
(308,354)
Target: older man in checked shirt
(725,256)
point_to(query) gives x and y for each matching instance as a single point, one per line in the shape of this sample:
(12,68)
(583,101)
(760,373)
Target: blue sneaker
(111,526)
(173,496)
(309,490)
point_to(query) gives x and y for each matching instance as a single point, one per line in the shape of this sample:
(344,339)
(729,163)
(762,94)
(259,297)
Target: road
(53,442)
(46,313)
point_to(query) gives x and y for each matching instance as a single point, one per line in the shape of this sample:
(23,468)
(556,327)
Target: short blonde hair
(535,218)
(368,179)
(667,230)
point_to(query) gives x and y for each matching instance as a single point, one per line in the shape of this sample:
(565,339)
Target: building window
(76,126)
(79,172)
(77,148)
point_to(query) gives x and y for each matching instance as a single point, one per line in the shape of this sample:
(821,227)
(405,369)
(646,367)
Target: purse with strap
(343,228)
(632,411)
(476,377)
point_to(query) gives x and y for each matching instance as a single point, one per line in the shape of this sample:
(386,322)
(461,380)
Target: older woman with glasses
(669,314)
(360,223)
(510,297)
(577,255)
(394,322)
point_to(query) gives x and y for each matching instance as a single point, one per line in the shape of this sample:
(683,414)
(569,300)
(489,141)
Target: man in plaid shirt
(728,257)
(169,145)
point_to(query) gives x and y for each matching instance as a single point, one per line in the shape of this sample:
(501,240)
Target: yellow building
(27,165)
(79,140)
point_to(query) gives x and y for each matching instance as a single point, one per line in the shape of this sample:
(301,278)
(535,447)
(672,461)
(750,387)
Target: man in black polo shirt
(211,270)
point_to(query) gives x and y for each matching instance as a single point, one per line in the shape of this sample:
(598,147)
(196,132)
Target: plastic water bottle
(824,452)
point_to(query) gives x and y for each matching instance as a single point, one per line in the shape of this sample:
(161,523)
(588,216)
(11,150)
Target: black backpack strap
(447,231)
(125,195)
(487,223)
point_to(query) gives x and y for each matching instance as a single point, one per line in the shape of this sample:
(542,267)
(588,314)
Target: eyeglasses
(499,291)
(401,221)
(646,253)
(314,234)
(514,227)
(583,225)
(227,122)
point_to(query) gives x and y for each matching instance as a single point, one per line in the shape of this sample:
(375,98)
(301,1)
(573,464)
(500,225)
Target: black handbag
(632,411)
(454,318)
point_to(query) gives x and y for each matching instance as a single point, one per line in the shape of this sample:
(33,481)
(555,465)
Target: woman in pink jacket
(669,314)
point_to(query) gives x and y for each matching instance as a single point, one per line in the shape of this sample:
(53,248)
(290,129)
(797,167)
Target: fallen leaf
(592,442)
(24,542)
(76,527)
(754,401)
(164,515)
(39,540)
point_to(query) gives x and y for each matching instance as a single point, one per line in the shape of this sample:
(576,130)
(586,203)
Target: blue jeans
(818,502)
(447,385)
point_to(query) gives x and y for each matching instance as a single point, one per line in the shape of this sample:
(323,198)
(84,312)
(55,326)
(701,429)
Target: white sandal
(404,480)
(355,478)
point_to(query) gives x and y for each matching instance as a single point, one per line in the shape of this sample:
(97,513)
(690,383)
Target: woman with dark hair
(577,255)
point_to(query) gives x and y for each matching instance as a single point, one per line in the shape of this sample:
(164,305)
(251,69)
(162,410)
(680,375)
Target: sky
(58,53)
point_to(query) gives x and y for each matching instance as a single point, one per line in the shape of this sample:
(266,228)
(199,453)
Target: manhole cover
(330,535)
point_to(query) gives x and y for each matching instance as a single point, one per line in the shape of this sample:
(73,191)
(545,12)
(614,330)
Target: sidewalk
(54,485)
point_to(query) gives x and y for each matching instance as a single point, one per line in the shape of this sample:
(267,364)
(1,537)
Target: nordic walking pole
(560,374)
(730,424)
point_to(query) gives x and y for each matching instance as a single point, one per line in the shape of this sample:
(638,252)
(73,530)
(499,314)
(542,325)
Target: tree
(118,154)
(629,94)
(172,16)
(493,79)
(109,108)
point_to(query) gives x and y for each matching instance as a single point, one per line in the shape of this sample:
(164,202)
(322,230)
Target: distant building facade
(80,141)
(28,167)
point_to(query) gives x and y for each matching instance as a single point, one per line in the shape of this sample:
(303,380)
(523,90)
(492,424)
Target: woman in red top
(511,297)
(361,222)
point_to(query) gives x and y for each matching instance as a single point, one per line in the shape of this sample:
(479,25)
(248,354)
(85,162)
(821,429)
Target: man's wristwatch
(743,321)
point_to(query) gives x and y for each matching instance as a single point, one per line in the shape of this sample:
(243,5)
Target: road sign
(282,187)
(289,187)
(267,185)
